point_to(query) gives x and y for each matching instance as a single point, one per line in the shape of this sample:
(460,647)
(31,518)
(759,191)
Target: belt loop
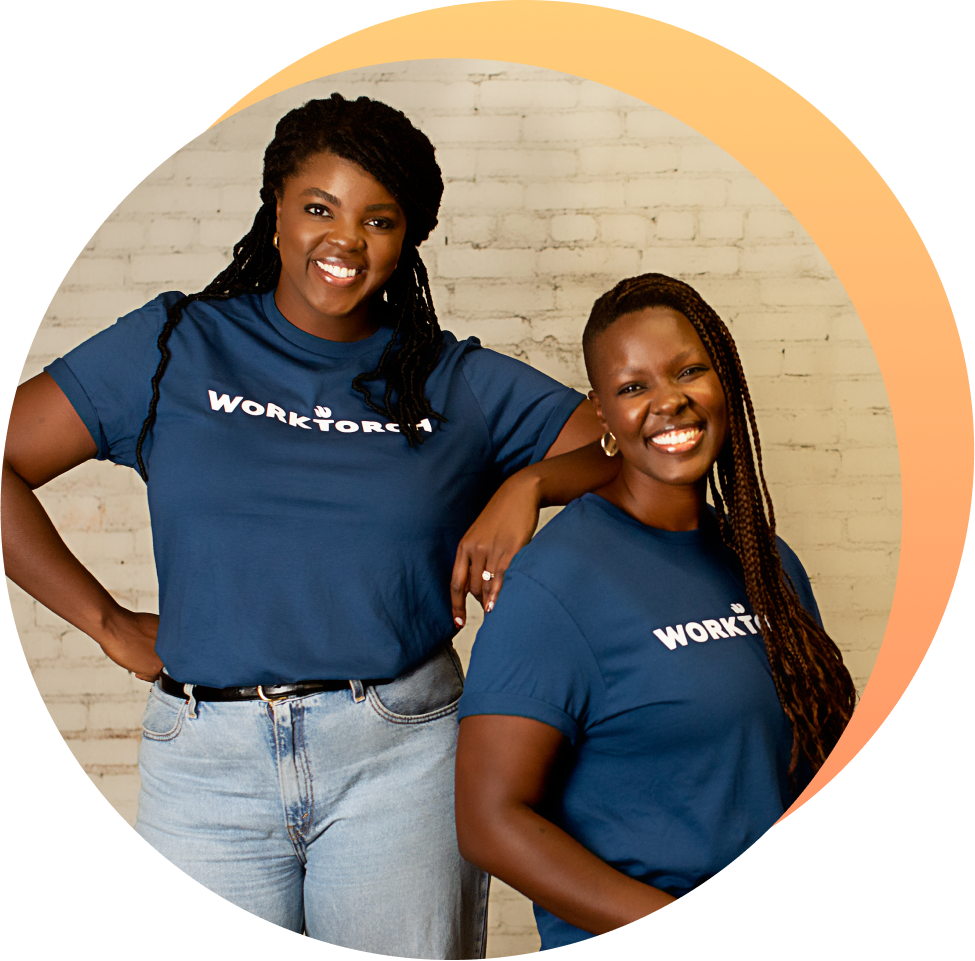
(358,692)
(191,701)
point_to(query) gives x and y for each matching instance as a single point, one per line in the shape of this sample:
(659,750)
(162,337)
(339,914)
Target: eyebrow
(681,358)
(324,194)
(335,202)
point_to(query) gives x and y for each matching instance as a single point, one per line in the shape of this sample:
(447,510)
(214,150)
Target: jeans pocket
(163,717)
(429,691)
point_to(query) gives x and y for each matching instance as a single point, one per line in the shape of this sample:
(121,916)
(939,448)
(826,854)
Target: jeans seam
(174,731)
(384,712)
(300,752)
(455,660)
(480,946)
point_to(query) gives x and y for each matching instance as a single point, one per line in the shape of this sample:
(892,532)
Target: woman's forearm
(539,859)
(508,521)
(562,479)
(38,560)
(503,771)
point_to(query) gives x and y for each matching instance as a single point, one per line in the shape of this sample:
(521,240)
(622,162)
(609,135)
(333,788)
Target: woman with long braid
(655,686)
(315,448)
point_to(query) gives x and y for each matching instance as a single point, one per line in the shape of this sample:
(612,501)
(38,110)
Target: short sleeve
(108,378)
(524,409)
(531,660)
(799,580)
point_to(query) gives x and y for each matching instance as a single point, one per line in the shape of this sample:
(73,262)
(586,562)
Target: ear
(277,212)
(594,399)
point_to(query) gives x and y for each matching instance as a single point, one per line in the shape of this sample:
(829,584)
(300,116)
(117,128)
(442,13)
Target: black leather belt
(262,692)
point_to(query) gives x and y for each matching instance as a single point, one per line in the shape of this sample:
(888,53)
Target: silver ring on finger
(487,576)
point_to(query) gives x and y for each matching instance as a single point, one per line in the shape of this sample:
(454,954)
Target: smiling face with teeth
(656,389)
(340,234)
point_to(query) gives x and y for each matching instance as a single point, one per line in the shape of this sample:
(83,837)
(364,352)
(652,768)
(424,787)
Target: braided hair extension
(813,685)
(383,142)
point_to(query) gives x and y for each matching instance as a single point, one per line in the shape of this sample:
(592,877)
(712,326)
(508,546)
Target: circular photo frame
(833,191)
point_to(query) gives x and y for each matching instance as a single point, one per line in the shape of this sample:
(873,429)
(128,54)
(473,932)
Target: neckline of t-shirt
(318,345)
(698,536)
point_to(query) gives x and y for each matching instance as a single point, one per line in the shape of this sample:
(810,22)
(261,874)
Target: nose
(667,400)
(346,236)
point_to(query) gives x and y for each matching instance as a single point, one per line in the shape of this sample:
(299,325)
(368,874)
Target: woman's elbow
(473,827)
(500,774)
(470,849)
(483,824)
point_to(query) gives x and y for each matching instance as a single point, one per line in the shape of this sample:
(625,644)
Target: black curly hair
(383,142)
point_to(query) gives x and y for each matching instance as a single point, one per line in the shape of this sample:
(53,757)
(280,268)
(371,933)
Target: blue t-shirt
(297,536)
(640,646)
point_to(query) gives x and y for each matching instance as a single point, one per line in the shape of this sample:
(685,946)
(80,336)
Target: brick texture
(556,189)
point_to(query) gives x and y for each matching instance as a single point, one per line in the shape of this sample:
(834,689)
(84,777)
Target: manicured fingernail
(489,608)
(459,621)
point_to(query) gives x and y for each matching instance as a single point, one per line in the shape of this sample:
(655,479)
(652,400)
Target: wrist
(104,623)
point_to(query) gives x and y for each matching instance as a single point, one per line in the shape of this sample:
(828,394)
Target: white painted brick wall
(556,189)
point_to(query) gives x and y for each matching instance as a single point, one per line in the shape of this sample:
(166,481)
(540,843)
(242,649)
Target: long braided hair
(383,142)
(813,685)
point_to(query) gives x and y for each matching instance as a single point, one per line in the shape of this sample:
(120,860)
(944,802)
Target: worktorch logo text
(322,417)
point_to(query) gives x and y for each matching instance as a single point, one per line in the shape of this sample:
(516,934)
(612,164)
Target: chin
(672,470)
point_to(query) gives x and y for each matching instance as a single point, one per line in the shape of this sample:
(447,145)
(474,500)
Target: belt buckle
(269,700)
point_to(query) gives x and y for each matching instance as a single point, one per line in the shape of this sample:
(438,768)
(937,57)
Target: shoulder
(153,313)
(562,550)
(549,572)
(128,349)
(145,323)
(798,577)
(532,657)
(496,378)
(203,317)
(451,346)
(482,362)
(451,343)
(791,566)
(131,337)
(537,611)
(157,309)
(790,561)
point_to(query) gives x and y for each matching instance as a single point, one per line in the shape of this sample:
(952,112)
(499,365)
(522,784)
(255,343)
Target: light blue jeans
(332,813)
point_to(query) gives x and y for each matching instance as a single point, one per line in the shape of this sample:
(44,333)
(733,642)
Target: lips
(677,440)
(338,274)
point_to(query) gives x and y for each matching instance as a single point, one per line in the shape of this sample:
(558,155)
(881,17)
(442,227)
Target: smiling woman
(298,741)
(585,675)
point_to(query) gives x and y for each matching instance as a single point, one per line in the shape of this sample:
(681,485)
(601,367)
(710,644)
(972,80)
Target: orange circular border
(836,195)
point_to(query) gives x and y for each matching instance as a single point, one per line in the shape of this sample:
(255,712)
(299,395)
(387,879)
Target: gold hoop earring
(609,445)
(274,240)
